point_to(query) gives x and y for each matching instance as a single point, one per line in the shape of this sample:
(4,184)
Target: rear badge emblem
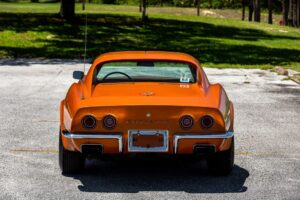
(148,114)
(148,93)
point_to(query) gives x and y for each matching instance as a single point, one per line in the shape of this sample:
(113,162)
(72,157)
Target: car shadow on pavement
(136,176)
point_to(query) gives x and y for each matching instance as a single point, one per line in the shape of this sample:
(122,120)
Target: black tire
(221,163)
(70,162)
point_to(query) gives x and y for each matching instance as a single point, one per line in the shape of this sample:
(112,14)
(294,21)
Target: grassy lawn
(35,30)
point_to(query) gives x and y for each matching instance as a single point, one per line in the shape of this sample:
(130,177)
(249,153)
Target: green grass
(35,30)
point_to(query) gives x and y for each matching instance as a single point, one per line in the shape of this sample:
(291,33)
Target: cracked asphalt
(267,133)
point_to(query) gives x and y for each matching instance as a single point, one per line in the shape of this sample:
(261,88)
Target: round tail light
(206,122)
(109,122)
(186,122)
(89,122)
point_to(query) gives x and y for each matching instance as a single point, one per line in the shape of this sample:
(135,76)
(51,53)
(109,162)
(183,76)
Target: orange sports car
(146,103)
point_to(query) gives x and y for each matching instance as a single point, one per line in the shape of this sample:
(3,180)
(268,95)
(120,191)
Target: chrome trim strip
(164,148)
(227,134)
(227,120)
(96,136)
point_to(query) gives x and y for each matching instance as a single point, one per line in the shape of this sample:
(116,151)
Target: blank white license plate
(148,141)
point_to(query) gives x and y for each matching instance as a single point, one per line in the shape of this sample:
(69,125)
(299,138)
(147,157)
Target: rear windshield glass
(146,71)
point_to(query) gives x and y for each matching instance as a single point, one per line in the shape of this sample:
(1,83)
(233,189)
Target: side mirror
(78,75)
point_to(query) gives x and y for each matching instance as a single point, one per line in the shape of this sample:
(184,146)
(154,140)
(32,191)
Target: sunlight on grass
(216,42)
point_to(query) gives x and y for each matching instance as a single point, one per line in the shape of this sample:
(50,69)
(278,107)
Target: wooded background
(251,9)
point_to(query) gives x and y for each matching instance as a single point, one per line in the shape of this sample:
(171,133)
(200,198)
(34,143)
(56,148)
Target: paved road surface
(267,129)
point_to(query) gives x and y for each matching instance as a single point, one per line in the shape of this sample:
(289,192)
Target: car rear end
(169,130)
(148,106)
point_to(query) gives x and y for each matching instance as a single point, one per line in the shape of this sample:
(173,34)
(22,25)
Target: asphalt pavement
(267,136)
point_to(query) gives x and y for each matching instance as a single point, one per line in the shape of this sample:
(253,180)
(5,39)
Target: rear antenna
(85,44)
(85,35)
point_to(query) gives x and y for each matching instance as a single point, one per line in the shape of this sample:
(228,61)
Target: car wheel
(70,162)
(221,163)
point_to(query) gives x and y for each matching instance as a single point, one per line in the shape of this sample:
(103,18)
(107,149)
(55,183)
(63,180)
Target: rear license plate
(147,140)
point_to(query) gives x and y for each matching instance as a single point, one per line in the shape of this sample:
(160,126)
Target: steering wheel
(111,73)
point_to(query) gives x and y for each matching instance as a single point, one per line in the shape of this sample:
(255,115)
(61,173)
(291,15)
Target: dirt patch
(281,71)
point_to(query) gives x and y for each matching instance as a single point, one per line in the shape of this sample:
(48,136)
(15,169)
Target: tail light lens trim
(207,122)
(89,122)
(186,122)
(109,122)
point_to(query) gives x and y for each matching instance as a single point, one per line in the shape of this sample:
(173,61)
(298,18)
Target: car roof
(145,55)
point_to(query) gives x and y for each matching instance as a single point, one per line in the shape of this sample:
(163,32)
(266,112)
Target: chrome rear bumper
(176,138)
(96,136)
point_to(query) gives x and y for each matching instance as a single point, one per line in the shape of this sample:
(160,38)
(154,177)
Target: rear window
(146,71)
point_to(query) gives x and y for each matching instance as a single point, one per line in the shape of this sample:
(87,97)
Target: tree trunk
(243,9)
(257,11)
(290,14)
(141,5)
(210,3)
(144,11)
(34,1)
(83,4)
(294,13)
(251,7)
(298,13)
(285,8)
(198,7)
(161,3)
(270,8)
(67,9)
